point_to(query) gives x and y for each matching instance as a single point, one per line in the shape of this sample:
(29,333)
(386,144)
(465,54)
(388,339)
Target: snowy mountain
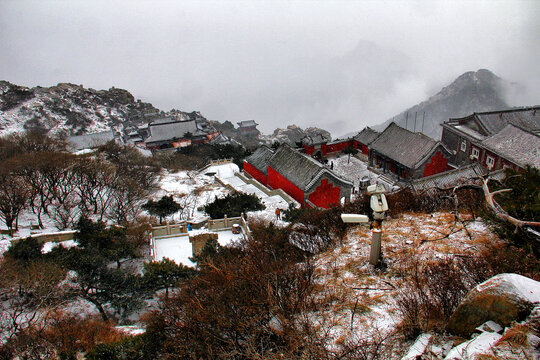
(471,92)
(68,109)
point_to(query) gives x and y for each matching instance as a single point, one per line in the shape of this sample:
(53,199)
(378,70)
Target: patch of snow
(354,170)
(84,151)
(223,171)
(490,326)
(521,286)
(418,348)
(48,246)
(177,249)
(4,245)
(130,330)
(477,346)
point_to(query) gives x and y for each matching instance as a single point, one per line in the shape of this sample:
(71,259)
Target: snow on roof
(170,131)
(406,147)
(471,132)
(316,139)
(450,178)
(517,145)
(526,118)
(223,171)
(89,141)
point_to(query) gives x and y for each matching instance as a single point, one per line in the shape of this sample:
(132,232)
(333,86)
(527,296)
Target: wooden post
(376,237)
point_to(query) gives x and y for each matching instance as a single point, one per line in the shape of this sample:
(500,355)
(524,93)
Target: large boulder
(504,298)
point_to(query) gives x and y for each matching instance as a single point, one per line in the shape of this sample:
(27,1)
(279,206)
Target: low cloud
(339,65)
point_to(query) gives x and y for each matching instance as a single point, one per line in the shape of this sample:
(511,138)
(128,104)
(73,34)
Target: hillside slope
(68,109)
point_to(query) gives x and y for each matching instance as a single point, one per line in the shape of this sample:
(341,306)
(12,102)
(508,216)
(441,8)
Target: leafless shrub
(432,290)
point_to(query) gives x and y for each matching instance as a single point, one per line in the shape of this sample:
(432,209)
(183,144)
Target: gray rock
(504,298)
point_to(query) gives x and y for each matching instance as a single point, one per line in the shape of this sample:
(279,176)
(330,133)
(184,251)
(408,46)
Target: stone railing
(49,237)
(169,229)
(215,162)
(220,161)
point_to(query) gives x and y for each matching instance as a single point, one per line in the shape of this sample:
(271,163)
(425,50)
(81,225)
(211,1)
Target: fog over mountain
(338,65)
(473,91)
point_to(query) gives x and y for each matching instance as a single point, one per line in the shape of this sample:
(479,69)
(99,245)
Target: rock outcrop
(504,298)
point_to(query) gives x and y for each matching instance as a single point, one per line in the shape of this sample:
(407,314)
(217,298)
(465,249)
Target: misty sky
(339,65)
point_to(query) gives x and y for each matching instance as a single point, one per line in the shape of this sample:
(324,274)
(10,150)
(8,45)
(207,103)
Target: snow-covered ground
(195,189)
(179,249)
(345,275)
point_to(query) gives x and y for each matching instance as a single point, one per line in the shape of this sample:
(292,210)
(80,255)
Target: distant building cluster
(166,132)
(495,140)
(474,145)
(248,128)
(479,143)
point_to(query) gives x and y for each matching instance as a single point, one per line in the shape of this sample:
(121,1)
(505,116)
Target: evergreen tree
(162,208)
(233,205)
(24,250)
(165,274)
(350,150)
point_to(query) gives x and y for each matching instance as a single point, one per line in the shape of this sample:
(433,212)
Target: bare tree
(14,195)
(31,290)
(95,181)
(127,199)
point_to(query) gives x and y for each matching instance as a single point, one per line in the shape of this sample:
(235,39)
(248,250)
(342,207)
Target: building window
(464,146)
(475,153)
(490,162)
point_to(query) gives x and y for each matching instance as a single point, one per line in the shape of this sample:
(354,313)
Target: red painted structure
(257,175)
(437,164)
(326,149)
(278,181)
(325,195)
(363,148)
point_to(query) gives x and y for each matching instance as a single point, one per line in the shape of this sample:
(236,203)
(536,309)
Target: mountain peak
(473,91)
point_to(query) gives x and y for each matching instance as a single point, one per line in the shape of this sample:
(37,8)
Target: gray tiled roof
(366,136)
(169,131)
(90,141)
(450,178)
(403,146)
(494,121)
(299,168)
(315,139)
(259,159)
(519,146)
(163,120)
(247,123)
(526,118)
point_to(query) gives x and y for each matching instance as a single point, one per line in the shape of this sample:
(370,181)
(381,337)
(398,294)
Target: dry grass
(347,276)
(517,336)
